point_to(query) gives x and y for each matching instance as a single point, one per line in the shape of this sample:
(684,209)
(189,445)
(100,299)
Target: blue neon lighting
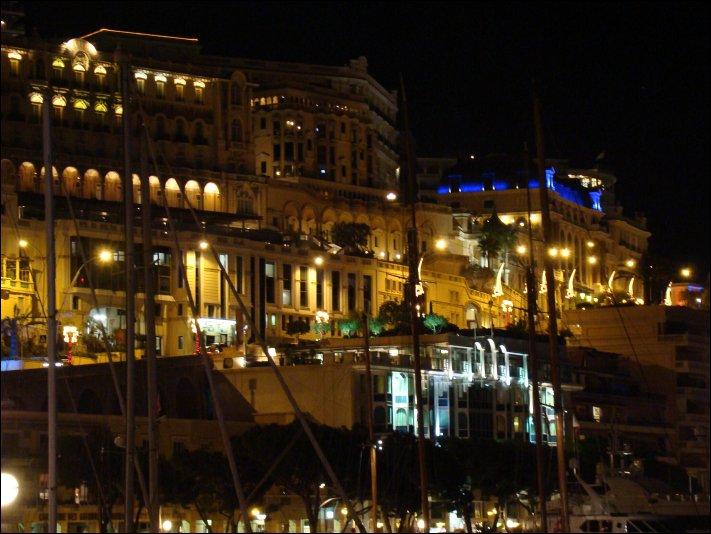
(500,185)
(470,187)
(533,184)
(595,199)
(550,182)
(444,189)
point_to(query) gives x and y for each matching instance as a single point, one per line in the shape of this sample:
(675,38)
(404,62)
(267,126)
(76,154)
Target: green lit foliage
(376,325)
(350,325)
(435,323)
(321,328)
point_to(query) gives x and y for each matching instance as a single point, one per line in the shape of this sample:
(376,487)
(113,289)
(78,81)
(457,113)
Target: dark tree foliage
(352,237)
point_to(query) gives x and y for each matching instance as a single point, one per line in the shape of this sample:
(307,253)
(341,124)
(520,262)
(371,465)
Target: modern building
(666,349)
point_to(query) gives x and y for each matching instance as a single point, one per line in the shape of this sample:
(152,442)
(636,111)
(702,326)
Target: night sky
(630,80)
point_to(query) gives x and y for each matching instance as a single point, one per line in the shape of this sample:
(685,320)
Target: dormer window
(199,91)
(58,67)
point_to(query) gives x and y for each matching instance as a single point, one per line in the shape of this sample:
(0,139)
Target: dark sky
(629,79)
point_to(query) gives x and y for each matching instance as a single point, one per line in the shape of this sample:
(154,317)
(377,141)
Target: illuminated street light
(105,255)
(9,489)
(630,263)
(204,244)
(565,253)
(521,249)
(553,252)
(391,196)
(590,244)
(318,261)
(23,243)
(441,244)
(255,512)
(685,272)
(344,511)
(167,525)
(592,260)
(421,524)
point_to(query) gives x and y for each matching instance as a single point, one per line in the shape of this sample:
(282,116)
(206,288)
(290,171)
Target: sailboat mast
(130,293)
(51,314)
(150,350)
(413,260)
(533,365)
(552,320)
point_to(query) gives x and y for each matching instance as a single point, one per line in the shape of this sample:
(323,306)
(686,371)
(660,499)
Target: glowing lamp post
(9,489)
(70,334)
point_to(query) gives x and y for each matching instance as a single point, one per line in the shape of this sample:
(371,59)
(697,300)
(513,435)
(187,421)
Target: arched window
(236,95)
(180,130)
(236,131)
(160,127)
(199,133)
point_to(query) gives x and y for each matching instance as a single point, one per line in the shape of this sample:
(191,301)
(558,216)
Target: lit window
(36,98)
(100,69)
(59,101)
(81,105)
(118,109)
(58,63)
(100,107)
(597,414)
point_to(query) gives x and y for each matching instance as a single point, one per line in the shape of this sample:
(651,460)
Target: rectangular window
(367,293)
(304,287)
(159,345)
(263,167)
(319,288)
(321,155)
(180,310)
(336,291)
(75,302)
(239,275)
(300,152)
(199,95)
(277,152)
(286,286)
(160,89)
(343,171)
(288,151)
(276,128)
(269,281)
(179,92)
(181,342)
(351,292)
(263,123)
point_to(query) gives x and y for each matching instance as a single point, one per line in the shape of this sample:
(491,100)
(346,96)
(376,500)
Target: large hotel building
(272,155)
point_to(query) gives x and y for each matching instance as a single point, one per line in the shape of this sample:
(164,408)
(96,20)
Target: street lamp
(204,244)
(23,243)
(9,489)
(104,256)
(592,260)
(685,272)
(318,261)
(441,244)
(521,250)
(391,196)
(630,263)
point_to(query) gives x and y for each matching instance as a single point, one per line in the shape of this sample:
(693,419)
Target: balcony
(16,275)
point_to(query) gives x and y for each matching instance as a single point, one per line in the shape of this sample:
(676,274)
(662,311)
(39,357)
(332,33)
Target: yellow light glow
(344,511)
(506,219)
(255,511)
(204,244)
(382,254)
(521,249)
(100,69)
(441,244)
(535,218)
(630,263)
(59,101)
(553,252)
(36,98)
(592,260)
(105,256)
(318,261)
(140,75)
(590,244)
(391,196)
(10,488)
(199,83)
(398,256)
(167,525)
(179,81)
(118,109)
(420,524)
(565,253)
(685,272)
(14,54)
(23,243)
(160,78)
